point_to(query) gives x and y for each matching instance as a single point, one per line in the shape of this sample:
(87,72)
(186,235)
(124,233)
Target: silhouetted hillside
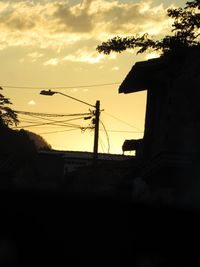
(12,141)
(38,140)
(17,157)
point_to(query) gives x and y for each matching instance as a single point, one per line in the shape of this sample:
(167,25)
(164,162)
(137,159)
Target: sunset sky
(52,45)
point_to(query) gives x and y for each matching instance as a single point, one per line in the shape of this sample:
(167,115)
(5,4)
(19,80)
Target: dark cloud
(77,21)
(15,19)
(84,17)
(18,23)
(122,17)
(110,16)
(58,24)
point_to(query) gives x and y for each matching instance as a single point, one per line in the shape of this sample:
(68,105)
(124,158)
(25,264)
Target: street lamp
(95,121)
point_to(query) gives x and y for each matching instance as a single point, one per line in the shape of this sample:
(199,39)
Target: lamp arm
(75,99)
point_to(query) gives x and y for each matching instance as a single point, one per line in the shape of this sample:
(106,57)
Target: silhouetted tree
(185,28)
(8,117)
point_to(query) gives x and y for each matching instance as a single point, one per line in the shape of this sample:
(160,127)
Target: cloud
(15,16)
(152,55)
(34,56)
(111,17)
(85,56)
(58,26)
(52,62)
(115,68)
(31,103)
(74,19)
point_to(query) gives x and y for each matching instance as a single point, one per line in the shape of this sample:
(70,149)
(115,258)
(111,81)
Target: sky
(52,45)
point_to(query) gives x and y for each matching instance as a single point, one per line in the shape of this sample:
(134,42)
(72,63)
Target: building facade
(172,124)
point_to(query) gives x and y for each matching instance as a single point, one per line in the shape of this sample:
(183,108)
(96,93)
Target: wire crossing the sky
(124,122)
(68,123)
(107,136)
(51,114)
(59,87)
(42,118)
(45,119)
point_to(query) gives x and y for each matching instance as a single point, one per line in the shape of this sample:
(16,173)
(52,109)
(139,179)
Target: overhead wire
(63,123)
(92,128)
(53,132)
(107,136)
(26,121)
(60,87)
(75,114)
(70,87)
(47,123)
(51,114)
(114,117)
(101,144)
(55,121)
(120,131)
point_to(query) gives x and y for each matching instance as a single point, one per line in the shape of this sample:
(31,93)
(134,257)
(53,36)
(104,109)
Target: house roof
(86,155)
(144,75)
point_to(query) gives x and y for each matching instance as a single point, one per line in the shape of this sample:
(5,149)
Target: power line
(35,114)
(54,122)
(56,126)
(26,121)
(50,114)
(106,136)
(60,87)
(57,123)
(101,144)
(47,123)
(69,130)
(119,131)
(114,117)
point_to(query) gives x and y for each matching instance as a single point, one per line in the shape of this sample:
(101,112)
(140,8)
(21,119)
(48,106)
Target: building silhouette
(170,146)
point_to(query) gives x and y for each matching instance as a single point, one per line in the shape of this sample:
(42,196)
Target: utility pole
(96,131)
(95,120)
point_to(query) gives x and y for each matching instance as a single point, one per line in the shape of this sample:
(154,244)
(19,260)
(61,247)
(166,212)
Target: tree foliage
(8,117)
(185,31)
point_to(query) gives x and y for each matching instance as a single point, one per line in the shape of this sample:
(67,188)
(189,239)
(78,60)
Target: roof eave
(142,76)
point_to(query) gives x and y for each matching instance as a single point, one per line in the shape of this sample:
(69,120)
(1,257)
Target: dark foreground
(41,227)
